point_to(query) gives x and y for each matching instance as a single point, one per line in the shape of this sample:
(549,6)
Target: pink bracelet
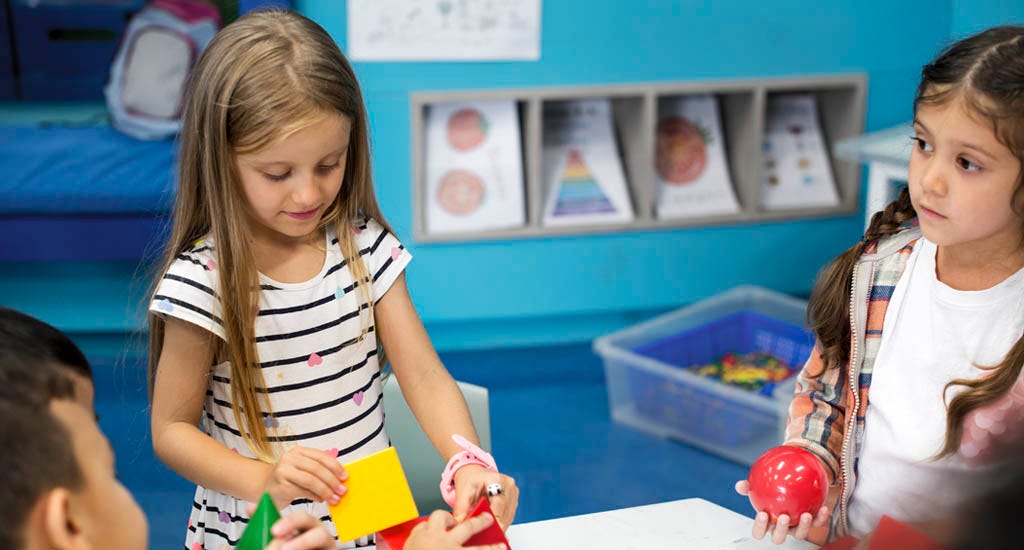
(471,454)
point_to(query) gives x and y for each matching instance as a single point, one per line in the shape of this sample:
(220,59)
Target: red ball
(788,480)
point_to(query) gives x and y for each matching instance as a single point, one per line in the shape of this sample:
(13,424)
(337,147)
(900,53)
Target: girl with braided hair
(913,397)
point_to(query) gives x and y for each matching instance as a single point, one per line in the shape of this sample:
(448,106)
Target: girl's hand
(301,531)
(470,484)
(297,531)
(782,527)
(303,472)
(442,532)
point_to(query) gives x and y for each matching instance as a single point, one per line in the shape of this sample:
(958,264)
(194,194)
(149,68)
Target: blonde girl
(913,398)
(281,288)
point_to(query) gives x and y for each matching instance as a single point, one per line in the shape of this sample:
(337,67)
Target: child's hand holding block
(378,496)
(395,537)
(493,533)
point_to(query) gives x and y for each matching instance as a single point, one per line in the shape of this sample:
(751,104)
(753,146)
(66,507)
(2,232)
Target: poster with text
(443,30)
(797,171)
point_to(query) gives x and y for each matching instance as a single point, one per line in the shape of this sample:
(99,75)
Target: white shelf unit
(840,101)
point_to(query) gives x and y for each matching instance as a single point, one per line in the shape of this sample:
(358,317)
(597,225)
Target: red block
(893,534)
(394,538)
(493,534)
(889,534)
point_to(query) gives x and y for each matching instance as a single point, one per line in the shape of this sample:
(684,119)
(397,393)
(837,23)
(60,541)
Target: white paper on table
(583,178)
(797,170)
(443,30)
(689,161)
(474,167)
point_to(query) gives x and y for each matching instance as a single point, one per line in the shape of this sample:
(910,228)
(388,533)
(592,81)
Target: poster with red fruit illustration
(797,171)
(584,182)
(474,167)
(689,159)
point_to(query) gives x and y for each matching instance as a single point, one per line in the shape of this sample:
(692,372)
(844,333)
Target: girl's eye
(328,168)
(277,177)
(923,145)
(967,165)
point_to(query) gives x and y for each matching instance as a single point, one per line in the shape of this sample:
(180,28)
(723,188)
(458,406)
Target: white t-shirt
(932,335)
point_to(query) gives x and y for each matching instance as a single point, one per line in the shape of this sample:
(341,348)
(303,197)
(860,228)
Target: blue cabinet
(64,49)
(7,83)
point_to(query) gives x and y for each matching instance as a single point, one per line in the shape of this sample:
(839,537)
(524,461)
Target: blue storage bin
(742,332)
(649,389)
(7,82)
(64,49)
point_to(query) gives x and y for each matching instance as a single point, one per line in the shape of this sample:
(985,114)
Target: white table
(684,524)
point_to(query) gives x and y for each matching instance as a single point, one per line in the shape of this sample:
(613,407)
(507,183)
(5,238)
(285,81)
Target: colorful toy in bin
(257,533)
(787,480)
(377,496)
(756,371)
(394,538)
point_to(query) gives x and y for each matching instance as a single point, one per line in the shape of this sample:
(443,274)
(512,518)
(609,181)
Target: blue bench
(80,192)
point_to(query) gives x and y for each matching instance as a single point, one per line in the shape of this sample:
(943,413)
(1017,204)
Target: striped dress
(323,381)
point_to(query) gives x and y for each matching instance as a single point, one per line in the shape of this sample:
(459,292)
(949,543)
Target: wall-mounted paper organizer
(524,163)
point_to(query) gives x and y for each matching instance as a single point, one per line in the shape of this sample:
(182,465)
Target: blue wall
(971,16)
(573,288)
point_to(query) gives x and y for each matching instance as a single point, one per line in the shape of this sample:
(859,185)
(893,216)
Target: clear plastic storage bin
(649,389)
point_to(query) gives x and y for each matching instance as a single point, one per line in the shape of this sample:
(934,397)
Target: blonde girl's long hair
(986,71)
(262,78)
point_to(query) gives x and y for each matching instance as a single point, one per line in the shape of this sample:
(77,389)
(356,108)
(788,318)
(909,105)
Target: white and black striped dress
(324,383)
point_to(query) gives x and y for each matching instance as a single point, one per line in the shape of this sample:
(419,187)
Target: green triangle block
(257,534)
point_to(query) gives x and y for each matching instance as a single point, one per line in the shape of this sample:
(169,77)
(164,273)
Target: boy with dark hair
(31,343)
(59,488)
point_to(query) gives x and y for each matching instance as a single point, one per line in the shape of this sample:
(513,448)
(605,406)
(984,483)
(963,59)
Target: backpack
(150,72)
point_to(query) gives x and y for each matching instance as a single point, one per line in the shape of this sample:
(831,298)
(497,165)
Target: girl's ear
(1018,195)
(62,528)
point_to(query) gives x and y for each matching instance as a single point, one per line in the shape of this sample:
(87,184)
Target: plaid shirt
(827,413)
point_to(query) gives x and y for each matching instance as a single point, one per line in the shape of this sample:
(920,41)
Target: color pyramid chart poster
(583,176)
(689,159)
(474,167)
(797,171)
(579,192)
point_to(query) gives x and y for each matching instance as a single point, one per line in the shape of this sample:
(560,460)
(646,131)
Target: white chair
(420,460)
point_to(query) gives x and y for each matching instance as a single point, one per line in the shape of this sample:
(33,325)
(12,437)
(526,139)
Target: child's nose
(307,191)
(933,180)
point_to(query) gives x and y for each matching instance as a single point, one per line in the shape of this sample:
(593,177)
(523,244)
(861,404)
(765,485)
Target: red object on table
(493,533)
(894,534)
(394,538)
(787,480)
(889,534)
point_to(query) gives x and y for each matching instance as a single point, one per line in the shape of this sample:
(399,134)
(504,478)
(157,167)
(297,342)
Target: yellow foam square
(378,496)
